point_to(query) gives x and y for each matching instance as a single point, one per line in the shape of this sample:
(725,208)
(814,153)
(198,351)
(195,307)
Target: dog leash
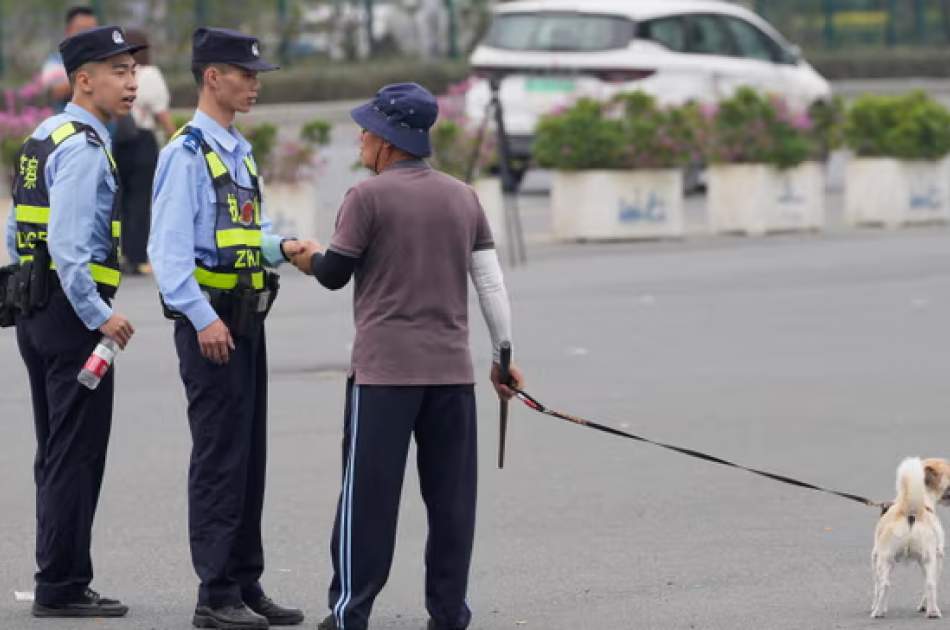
(536,405)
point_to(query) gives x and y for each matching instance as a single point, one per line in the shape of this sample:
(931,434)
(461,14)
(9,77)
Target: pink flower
(709,111)
(802,122)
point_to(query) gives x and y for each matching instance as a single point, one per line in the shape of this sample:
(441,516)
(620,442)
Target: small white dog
(910,530)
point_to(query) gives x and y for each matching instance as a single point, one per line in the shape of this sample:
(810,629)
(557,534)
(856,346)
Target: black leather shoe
(91,605)
(229,618)
(276,615)
(328,624)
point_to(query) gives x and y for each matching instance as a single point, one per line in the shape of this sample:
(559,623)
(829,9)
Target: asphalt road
(824,357)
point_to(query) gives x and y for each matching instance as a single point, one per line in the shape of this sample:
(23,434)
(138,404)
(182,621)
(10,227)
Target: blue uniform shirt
(183,217)
(81,191)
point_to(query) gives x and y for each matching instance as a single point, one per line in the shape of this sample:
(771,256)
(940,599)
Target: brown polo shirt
(413,231)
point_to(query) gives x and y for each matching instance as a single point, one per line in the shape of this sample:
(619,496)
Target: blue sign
(927,200)
(653,211)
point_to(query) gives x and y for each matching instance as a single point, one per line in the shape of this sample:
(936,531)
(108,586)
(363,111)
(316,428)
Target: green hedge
(336,81)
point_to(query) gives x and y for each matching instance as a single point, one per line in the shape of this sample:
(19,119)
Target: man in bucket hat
(411,236)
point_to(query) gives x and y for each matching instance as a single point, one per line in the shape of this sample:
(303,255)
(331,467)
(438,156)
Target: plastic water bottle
(98,363)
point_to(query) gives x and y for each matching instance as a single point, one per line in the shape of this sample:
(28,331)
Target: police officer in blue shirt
(64,235)
(210,241)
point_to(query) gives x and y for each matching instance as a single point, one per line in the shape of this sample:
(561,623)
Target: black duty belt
(243,310)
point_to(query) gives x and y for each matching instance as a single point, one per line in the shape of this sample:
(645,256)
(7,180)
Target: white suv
(551,52)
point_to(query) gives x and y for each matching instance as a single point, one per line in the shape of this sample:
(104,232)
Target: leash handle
(505,363)
(504,375)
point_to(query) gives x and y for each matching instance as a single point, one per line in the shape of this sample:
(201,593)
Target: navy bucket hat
(401,114)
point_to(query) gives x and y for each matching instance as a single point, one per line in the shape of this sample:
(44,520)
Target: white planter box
(890,192)
(755,199)
(609,205)
(6,204)
(292,208)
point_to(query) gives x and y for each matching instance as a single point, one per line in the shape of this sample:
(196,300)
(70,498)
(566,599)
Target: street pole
(283,52)
(890,35)
(830,35)
(2,57)
(920,22)
(368,8)
(201,12)
(453,29)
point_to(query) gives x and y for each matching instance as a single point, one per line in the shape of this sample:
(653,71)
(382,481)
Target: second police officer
(210,242)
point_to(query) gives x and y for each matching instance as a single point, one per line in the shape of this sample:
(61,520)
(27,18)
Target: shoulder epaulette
(93,138)
(193,139)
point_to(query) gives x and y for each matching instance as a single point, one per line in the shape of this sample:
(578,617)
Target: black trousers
(379,423)
(227,412)
(72,433)
(136,160)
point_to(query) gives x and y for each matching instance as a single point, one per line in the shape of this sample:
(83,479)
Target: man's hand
(216,342)
(305,252)
(517,379)
(290,247)
(119,329)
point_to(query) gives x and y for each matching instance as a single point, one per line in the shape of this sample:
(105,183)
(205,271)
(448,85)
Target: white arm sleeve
(493,297)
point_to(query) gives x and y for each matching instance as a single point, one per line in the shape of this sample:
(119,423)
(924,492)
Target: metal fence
(854,24)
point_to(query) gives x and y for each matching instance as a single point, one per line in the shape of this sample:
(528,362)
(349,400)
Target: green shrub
(911,127)
(316,132)
(632,131)
(828,120)
(456,149)
(263,139)
(658,137)
(750,128)
(580,138)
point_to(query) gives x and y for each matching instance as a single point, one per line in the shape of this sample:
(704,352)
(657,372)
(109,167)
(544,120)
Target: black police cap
(95,45)
(221,45)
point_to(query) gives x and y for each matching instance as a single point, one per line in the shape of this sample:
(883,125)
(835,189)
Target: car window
(705,35)
(751,42)
(667,31)
(572,32)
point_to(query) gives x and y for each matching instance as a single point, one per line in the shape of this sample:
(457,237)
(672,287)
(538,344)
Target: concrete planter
(892,193)
(492,198)
(618,205)
(756,199)
(292,208)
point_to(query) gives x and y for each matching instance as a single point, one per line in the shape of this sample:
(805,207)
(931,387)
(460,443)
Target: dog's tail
(910,488)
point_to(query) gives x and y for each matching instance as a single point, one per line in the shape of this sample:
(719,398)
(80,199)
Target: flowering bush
(455,138)
(18,119)
(287,161)
(911,126)
(754,128)
(828,120)
(658,137)
(630,132)
(582,137)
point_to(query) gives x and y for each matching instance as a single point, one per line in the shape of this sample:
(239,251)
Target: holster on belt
(8,309)
(249,307)
(39,278)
